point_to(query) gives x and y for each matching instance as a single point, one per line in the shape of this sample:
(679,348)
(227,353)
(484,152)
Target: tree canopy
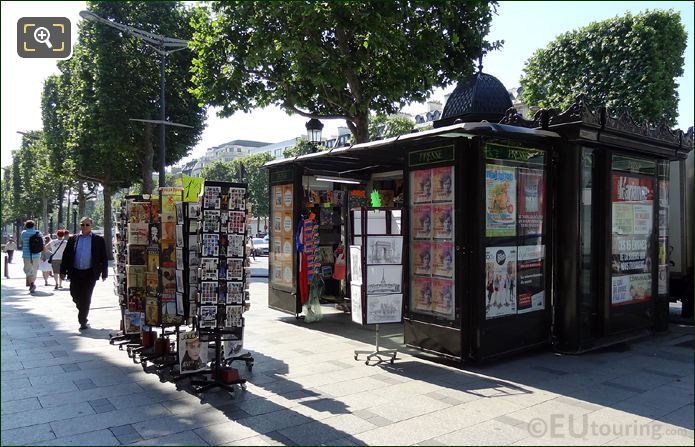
(627,62)
(336,60)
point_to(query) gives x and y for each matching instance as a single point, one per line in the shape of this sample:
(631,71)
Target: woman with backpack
(56,247)
(32,247)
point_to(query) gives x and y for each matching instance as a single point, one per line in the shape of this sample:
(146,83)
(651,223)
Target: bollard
(7,264)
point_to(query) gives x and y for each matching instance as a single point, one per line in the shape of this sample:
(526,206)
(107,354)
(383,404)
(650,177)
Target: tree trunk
(82,200)
(147,159)
(61,195)
(361,127)
(107,221)
(44,212)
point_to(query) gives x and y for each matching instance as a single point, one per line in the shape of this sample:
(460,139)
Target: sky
(524,27)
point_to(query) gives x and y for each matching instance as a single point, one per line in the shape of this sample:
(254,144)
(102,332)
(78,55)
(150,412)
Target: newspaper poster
(531,278)
(443,297)
(421,186)
(443,184)
(500,203)
(629,289)
(421,296)
(500,281)
(421,258)
(531,201)
(443,259)
(422,222)
(443,221)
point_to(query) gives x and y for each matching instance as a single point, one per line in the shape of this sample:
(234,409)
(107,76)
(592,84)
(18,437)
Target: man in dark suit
(84,260)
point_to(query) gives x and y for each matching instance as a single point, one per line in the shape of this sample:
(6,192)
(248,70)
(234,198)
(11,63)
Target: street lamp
(75,204)
(164,46)
(313,131)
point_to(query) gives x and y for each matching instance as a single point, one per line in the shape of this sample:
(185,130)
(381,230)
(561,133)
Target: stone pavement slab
(65,387)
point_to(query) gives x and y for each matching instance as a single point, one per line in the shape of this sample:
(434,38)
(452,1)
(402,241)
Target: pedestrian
(45,266)
(30,257)
(249,241)
(57,248)
(84,260)
(10,247)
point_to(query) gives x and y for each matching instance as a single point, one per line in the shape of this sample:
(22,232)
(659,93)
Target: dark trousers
(9,255)
(81,286)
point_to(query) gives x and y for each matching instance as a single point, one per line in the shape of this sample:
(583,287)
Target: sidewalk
(62,387)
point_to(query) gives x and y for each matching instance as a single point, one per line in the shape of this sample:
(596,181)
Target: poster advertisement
(443,184)
(384,279)
(277,223)
(663,279)
(500,281)
(193,353)
(443,297)
(531,201)
(500,189)
(421,296)
(384,308)
(422,222)
(629,289)
(277,197)
(443,259)
(421,258)
(642,219)
(287,223)
(287,197)
(356,303)
(421,186)
(630,255)
(443,221)
(531,274)
(623,218)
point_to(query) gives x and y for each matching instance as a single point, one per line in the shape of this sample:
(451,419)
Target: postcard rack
(376,272)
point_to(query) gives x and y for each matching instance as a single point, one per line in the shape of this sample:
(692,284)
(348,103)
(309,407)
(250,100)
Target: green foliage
(302,146)
(627,62)
(334,59)
(389,126)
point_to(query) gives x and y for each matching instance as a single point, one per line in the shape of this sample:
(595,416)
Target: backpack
(35,243)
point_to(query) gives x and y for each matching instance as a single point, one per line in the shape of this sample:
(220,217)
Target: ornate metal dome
(479,97)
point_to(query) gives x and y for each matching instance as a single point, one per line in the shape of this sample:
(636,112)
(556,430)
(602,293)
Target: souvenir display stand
(221,296)
(376,272)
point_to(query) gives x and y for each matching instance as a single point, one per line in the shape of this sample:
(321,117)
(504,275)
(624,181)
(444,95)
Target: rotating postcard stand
(376,267)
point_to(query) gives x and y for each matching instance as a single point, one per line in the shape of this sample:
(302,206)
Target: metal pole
(162,103)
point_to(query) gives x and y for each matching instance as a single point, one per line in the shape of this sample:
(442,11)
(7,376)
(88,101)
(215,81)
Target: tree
(389,126)
(628,62)
(334,60)
(302,146)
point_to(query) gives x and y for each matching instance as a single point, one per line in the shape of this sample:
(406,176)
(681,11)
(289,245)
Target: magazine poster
(629,289)
(210,245)
(630,254)
(232,348)
(155,209)
(211,221)
(421,258)
(356,264)
(179,258)
(153,233)
(208,316)
(179,303)
(500,189)
(443,259)
(236,198)
(422,222)
(237,222)
(531,201)
(193,260)
(500,272)
(277,223)
(384,279)
(132,321)
(384,249)
(443,297)
(208,292)
(211,197)
(170,195)
(192,226)
(277,249)
(168,279)
(139,212)
(632,205)
(643,218)
(421,297)
(287,197)
(180,285)
(179,235)
(235,269)
(236,246)
(235,292)
(356,303)
(208,267)
(277,197)
(192,308)
(193,210)
(135,275)
(421,185)
(287,223)
(151,283)
(443,221)
(168,232)
(193,275)
(384,308)
(233,316)
(136,254)
(151,311)
(136,299)
(287,249)
(138,233)
(167,256)
(443,184)
(193,244)
(179,212)
(531,278)
(169,315)
(193,353)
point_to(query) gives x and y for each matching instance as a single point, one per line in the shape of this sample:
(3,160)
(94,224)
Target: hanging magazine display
(193,353)
(281,259)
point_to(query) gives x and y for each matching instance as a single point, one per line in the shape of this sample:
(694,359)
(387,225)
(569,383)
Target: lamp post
(164,46)
(313,132)
(75,204)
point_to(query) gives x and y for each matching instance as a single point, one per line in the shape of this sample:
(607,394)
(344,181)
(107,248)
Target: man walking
(84,260)
(31,259)
(10,247)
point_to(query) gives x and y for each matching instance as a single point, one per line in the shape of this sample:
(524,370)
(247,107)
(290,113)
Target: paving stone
(254,440)
(70,367)
(101,421)
(217,434)
(101,405)
(318,432)
(183,438)
(57,354)
(27,435)
(43,415)
(15,406)
(91,393)
(98,437)
(122,430)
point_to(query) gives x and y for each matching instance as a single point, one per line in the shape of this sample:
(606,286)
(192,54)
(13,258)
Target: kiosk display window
(282,231)
(432,241)
(515,186)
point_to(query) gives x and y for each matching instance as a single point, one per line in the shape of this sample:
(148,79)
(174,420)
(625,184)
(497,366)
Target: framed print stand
(376,271)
